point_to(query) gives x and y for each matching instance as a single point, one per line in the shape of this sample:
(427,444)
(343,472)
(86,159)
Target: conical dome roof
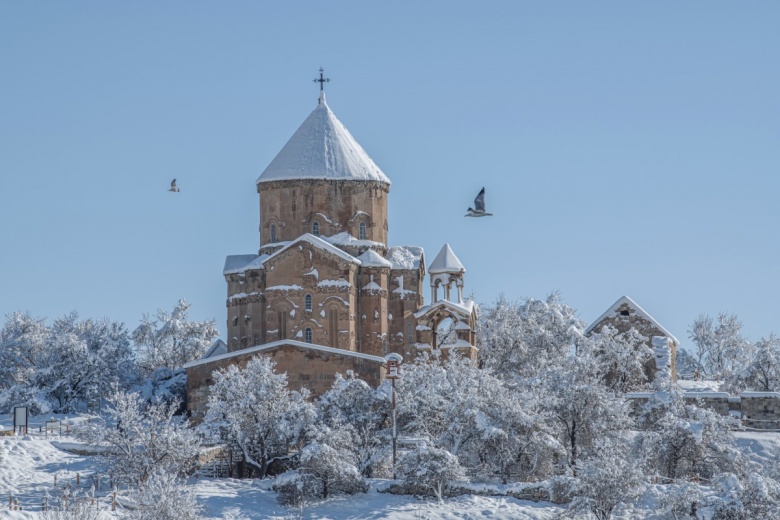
(446,262)
(322,148)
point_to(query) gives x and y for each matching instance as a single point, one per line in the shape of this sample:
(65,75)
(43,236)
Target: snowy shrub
(253,410)
(682,501)
(74,506)
(138,438)
(164,497)
(752,497)
(295,489)
(170,340)
(166,386)
(322,473)
(681,440)
(429,470)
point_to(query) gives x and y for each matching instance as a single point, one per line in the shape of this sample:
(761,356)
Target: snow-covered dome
(322,148)
(446,262)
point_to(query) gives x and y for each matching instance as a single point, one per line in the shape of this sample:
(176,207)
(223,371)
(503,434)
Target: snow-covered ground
(29,464)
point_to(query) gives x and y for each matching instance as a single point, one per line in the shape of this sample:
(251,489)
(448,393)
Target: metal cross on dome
(322,80)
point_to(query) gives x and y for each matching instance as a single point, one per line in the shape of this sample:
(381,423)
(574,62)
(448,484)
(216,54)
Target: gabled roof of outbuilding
(612,311)
(322,148)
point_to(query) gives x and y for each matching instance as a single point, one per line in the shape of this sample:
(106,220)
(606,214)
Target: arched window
(307,302)
(273,233)
(315,229)
(333,327)
(362,231)
(307,335)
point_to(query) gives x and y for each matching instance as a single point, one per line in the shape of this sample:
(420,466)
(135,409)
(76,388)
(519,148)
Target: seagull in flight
(479,204)
(173,186)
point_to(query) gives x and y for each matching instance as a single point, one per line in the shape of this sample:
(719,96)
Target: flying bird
(173,186)
(479,206)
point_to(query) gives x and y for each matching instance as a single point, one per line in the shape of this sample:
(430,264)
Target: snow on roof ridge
(316,242)
(373,259)
(282,342)
(631,303)
(446,262)
(322,148)
(405,257)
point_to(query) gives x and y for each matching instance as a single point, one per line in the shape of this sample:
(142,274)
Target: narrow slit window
(273,233)
(307,302)
(362,231)
(315,229)
(307,335)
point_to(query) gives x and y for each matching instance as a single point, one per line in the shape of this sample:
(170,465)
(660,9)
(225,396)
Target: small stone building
(625,314)
(325,293)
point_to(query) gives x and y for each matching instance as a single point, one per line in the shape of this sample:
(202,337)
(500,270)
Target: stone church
(326,293)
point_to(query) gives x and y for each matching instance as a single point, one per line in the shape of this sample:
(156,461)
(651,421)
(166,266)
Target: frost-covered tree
(253,410)
(584,409)
(762,371)
(451,404)
(137,438)
(687,366)
(430,469)
(609,477)
(164,497)
(623,357)
(170,339)
(57,368)
(720,347)
(518,340)
(361,413)
(86,357)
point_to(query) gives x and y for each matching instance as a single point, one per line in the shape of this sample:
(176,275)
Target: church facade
(325,292)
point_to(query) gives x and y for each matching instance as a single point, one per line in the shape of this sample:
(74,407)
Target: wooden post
(113,501)
(46,503)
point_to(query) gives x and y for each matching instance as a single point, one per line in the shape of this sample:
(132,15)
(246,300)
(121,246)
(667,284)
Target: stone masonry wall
(757,410)
(305,368)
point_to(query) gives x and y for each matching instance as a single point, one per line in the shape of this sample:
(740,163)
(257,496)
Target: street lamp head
(393,360)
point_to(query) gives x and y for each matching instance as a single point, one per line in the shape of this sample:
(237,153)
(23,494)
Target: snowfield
(29,464)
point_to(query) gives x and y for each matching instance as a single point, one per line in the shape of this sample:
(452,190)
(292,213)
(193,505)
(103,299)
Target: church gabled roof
(316,242)
(446,262)
(322,148)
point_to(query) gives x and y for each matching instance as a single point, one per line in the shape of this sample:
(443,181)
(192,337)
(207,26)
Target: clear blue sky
(626,147)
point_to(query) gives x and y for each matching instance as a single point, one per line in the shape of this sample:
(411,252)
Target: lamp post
(393,361)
